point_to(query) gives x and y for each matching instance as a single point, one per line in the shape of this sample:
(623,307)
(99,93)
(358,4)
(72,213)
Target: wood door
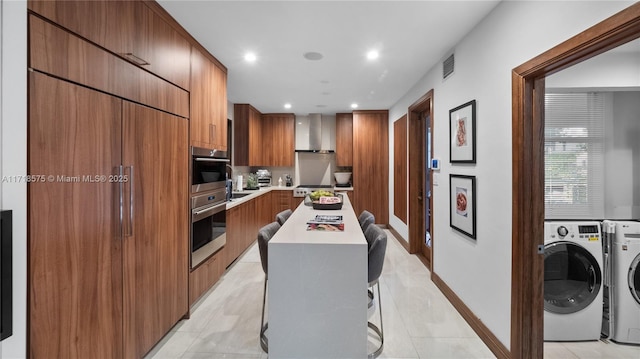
(156,238)
(344,139)
(74,244)
(371,163)
(420,203)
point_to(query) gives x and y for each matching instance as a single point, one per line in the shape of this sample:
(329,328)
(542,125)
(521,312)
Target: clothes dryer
(625,287)
(572,281)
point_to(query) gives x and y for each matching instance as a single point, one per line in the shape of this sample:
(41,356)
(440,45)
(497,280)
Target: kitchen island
(317,288)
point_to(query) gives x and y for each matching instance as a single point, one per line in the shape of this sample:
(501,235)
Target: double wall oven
(208,203)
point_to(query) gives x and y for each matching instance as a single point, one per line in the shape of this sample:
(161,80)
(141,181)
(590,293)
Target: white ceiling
(411,36)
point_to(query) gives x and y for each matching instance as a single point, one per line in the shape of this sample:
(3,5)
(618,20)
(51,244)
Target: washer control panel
(587,231)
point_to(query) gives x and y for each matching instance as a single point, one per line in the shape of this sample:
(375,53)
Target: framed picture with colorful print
(463,204)
(462,133)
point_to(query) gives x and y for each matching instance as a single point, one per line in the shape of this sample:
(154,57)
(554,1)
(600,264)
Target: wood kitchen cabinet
(202,278)
(344,139)
(278,129)
(247,136)
(130,29)
(108,256)
(208,102)
(371,163)
(252,129)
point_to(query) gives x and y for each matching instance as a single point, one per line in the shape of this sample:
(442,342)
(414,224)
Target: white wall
(14,159)
(479,272)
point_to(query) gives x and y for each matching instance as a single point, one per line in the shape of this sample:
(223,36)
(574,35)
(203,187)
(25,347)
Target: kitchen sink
(239,195)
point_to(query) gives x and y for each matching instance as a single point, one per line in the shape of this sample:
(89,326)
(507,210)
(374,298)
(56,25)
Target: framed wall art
(462,133)
(463,204)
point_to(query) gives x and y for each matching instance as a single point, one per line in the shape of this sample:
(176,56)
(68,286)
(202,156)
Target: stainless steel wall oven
(208,203)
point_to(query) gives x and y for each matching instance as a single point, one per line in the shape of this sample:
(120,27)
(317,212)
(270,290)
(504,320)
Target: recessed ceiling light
(354,105)
(321,106)
(313,56)
(250,57)
(287,105)
(372,55)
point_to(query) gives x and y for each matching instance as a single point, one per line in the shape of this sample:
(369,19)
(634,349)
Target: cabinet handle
(121,200)
(212,133)
(135,59)
(131,198)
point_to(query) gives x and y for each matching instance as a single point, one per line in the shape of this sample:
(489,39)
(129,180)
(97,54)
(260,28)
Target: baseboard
(485,334)
(400,239)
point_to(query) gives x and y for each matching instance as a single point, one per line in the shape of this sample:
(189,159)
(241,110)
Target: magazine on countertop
(325,222)
(325,227)
(324,219)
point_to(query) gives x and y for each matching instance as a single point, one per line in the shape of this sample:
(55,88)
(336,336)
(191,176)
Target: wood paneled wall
(400,168)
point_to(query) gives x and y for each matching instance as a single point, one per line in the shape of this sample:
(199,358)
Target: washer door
(572,277)
(634,278)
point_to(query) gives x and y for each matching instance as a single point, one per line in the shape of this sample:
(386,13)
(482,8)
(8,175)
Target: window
(574,155)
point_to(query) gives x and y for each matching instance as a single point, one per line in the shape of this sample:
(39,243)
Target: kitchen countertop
(264,190)
(318,288)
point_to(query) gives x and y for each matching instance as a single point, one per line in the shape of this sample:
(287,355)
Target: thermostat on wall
(435,164)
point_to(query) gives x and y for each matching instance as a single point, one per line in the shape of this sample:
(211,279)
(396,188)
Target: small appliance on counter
(264,178)
(288,180)
(343,179)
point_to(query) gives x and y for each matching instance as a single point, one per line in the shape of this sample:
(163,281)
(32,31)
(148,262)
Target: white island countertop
(317,288)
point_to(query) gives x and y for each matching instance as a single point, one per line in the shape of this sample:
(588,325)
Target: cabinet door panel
(344,140)
(74,251)
(156,241)
(371,163)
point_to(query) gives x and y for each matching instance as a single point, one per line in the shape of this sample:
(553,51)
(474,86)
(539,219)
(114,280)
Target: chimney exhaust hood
(315,133)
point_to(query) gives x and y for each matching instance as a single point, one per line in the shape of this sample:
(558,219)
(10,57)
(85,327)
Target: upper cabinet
(129,29)
(247,136)
(279,128)
(344,139)
(251,131)
(208,102)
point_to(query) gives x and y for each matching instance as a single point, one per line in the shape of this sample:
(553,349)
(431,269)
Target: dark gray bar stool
(264,236)
(366,218)
(283,216)
(377,241)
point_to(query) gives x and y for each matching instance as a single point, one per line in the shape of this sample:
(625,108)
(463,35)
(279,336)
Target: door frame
(527,266)
(417,161)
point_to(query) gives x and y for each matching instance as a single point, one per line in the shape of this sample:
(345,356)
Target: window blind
(574,155)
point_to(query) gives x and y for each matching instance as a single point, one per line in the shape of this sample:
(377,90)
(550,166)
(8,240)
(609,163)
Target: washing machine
(625,283)
(573,264)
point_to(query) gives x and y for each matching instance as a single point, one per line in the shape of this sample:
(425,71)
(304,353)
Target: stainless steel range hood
(315,133)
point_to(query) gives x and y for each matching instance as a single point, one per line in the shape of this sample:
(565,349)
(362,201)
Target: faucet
(229,171)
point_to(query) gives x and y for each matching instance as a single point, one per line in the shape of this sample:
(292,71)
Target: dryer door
(634,278)
(572,277)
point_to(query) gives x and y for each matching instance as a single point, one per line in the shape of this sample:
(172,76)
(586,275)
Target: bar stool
(283,216)
(366,218)
(264,236)
(377,240)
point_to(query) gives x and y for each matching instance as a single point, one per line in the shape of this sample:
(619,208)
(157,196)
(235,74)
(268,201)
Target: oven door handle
(197,215)
(205,159)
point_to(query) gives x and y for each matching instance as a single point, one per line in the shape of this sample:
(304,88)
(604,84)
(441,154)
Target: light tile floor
(419,322)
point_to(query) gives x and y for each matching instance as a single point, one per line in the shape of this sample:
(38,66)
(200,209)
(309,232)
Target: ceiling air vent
(447,67)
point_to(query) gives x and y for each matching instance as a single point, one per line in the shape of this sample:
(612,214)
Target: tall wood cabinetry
(344,139)
(107,249)
(108,219)
(208,102)
(371,163)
